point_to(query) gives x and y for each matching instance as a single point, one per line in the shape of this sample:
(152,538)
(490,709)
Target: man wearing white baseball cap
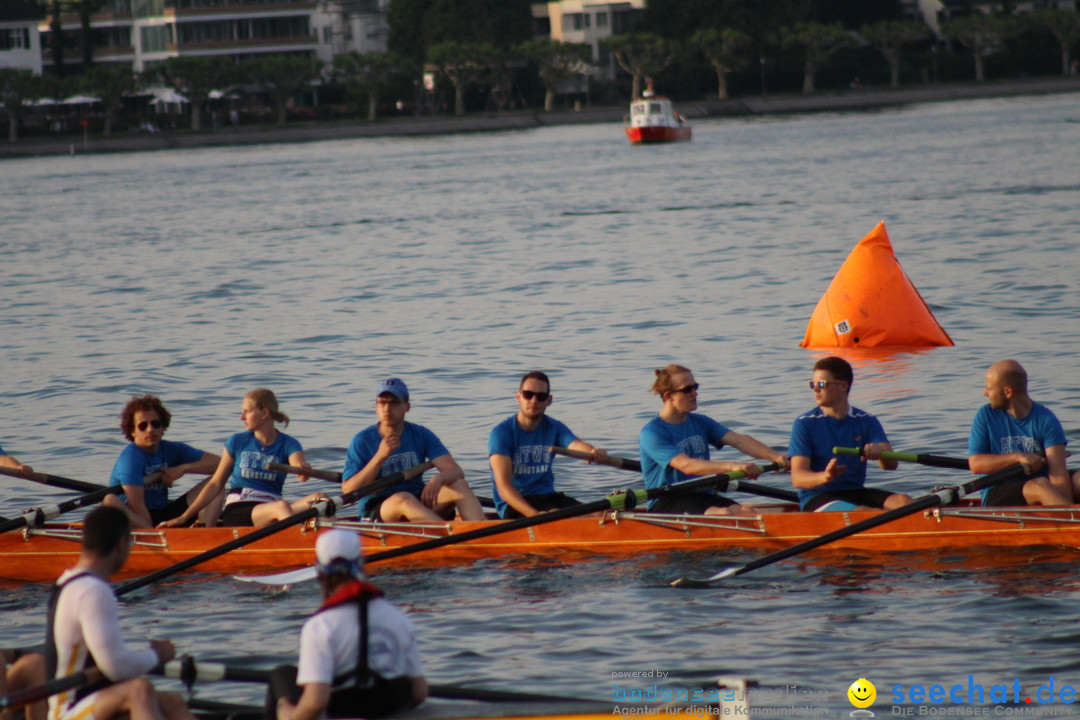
(358,653)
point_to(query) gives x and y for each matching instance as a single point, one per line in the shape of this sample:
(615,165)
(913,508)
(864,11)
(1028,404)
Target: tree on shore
(1064,25)
(197,77)
(556,61)
(110,83)
(641,55)
(982,34)
(820,42)
(889,38)
(726,50)
(281,76)
(463,64)
(86,10)
(368,73)
(16,87)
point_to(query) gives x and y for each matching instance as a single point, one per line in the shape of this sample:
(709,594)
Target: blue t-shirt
(135,463)
(2,451)
(999,433)
(418,444)
(250,458)
(660,441)
(815,434)
(529,453)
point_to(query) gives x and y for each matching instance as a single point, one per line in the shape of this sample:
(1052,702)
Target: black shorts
(869,497)
(238,514)
(1010,492)
(690,503)
(170,512)
(547,501)
(373,511)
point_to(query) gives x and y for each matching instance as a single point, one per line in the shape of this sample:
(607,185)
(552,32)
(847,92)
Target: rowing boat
(40,554)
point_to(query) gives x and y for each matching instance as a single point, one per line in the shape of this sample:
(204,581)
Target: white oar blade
(706,582)
(286,578)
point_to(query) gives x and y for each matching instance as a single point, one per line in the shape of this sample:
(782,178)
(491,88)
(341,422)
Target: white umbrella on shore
(80,100)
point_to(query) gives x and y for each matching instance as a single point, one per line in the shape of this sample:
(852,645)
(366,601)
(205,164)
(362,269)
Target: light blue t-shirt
(250,458)
(135,463)
(529,453)
(418,444)
(999,433)
(815,434)
(660,441)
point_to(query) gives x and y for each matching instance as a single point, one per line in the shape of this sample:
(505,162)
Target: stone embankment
(862,99)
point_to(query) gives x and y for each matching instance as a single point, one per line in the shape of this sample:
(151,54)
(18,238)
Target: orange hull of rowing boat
(40,555)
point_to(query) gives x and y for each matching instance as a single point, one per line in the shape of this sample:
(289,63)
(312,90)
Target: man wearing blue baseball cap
(392,445)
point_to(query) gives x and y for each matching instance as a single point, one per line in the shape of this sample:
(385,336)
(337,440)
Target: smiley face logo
(862,693)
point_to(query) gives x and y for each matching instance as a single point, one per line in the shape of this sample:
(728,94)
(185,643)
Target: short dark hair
(103,529)
(837,367)
(146,403)
(535,375)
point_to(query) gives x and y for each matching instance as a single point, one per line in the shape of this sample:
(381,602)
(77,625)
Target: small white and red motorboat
(654,120)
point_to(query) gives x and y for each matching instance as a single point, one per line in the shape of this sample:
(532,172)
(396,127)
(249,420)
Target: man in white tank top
(84,632)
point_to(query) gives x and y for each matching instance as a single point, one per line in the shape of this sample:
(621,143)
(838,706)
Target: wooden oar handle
(611,460)
(313,472)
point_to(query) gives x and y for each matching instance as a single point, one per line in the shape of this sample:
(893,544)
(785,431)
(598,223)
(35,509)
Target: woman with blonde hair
(254,495)
(674,446)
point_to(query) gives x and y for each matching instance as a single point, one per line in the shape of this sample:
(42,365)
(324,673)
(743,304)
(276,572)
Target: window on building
(601,19)
(572,21)
(156,38)
(14,39)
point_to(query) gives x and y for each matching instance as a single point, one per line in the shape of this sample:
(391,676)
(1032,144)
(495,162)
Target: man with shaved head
(1013,429)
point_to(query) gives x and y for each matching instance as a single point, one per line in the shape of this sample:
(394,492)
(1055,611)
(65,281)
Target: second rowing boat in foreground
(41,554)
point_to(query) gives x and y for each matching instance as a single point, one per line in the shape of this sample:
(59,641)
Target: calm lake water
(459,262)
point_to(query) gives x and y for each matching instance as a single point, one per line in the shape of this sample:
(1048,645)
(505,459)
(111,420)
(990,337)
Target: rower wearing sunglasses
(149,466)
(520,456)
(824,481)
(674,446)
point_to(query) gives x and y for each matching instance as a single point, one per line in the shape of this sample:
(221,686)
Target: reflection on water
(460,262)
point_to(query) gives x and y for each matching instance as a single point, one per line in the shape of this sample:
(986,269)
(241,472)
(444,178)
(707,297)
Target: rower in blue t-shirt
(522,480)
(393,445)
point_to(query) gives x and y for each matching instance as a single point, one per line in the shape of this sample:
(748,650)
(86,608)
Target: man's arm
(502,469)
(598,454)
(205,465)
(755,448)
(136,504)
(449,471)
(10,462)
(370,470)
(804,478)
(313,700)
(696,466)
(985,463)
(1059,474)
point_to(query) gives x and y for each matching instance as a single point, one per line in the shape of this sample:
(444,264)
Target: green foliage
(1064,25)
(110,83)
(556,61)
(405,19)
(889,37)
(982,34)
(368,73)
(818,41)
(500,23)
(281,76)
(196,77)
(463,63)
(17,86)
(725,50)
(640,54)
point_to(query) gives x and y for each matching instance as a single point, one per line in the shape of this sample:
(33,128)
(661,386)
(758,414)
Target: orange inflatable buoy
(871,303)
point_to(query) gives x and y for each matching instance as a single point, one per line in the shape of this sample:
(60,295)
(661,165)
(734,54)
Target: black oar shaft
(941,497)
(628,464)
(40,515)
(320,509)
(625,500)
(52,480)
(941,461)
(52,687)
(311,472)
(610,460)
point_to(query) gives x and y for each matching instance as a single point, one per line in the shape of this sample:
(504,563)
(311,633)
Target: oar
(189,671)
(53,480)
(323,508)
(620,500)
(941,461)
(47,689)
(732,486)
(37,516)
(940,497)
(336,477)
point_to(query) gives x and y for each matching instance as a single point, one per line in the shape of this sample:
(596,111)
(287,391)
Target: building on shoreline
(144,32)
(20,46)
(587,21)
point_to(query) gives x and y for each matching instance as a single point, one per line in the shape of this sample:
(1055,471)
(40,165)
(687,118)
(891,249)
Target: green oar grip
(887,455)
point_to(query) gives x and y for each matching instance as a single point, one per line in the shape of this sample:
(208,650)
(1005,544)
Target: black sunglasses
(156,424)
(529,395)
(687,389)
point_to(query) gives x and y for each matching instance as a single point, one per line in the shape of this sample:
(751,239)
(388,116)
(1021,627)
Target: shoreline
(844,100)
